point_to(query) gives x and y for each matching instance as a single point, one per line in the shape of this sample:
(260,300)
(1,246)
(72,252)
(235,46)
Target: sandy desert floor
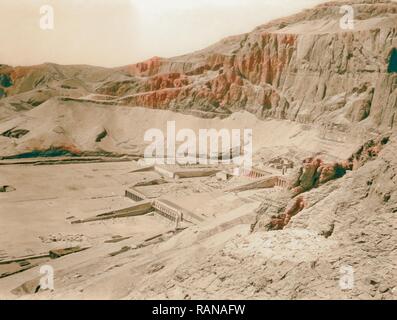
(122,252)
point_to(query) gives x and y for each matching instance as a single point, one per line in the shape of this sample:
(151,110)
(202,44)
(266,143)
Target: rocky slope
(347,224)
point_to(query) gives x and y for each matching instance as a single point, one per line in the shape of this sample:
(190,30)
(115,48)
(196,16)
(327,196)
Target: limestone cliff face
(303,68)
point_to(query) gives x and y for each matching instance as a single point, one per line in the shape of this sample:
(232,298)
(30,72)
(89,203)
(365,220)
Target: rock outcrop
(280,221)
(314,172)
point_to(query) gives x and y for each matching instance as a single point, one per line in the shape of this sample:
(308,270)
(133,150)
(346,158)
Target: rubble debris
(142,208)
(314,172)
(153,182)
(155,268)
(24,263)
(268,182)
(7,189)
(369,151)
(20,264)
(116,239)
(54,254)
(122,250)
(28,287)
(327,233)
(280,221)
(62,238)
(281,163)
(15,133)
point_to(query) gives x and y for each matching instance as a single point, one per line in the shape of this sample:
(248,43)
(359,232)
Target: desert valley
(317,207)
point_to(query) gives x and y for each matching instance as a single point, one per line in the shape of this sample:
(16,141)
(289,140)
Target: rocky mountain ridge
(303,68)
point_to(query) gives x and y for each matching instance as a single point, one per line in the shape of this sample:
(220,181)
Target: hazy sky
(120,32)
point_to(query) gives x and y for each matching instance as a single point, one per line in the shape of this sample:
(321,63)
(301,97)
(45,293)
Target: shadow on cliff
(393,61)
